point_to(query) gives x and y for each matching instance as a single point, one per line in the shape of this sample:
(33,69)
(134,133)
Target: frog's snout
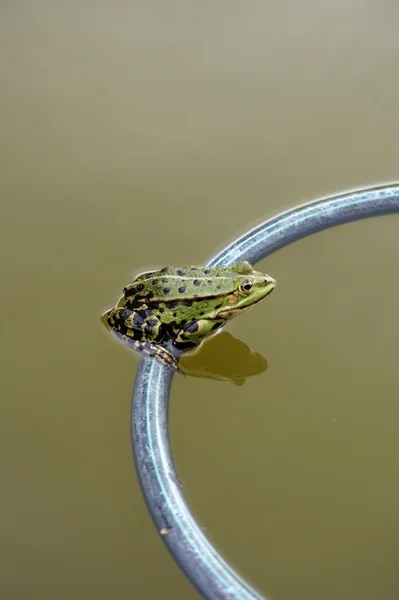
(270,281)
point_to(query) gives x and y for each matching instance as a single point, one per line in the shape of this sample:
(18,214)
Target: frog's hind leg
(138,325)
(141,331)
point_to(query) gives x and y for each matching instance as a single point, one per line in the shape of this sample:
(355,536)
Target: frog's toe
(161,355)
(169,361)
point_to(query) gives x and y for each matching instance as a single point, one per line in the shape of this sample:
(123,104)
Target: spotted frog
(182,306)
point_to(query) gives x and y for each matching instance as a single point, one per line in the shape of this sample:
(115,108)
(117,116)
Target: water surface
(135,136)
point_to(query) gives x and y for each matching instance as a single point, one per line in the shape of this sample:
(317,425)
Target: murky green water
(134,136)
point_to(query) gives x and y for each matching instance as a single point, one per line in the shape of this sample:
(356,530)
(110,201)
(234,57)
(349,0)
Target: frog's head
(250,287)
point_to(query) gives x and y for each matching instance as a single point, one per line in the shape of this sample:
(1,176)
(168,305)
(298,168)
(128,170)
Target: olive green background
(142,134)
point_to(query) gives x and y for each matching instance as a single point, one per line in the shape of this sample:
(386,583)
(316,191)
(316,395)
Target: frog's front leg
(142,331)
(192,333)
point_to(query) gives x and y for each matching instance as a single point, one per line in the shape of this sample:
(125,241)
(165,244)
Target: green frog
(182,306)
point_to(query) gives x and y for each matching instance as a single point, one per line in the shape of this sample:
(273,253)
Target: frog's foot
(160,354)
(152,350)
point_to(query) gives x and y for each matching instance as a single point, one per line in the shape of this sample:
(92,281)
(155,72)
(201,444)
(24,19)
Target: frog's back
(179,283)
(186,283)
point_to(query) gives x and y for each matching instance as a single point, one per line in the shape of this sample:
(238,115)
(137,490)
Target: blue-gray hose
(199,560)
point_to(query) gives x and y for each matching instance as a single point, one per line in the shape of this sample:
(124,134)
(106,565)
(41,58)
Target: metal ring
(195,555)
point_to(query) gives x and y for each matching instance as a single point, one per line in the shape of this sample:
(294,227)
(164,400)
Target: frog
(166,312)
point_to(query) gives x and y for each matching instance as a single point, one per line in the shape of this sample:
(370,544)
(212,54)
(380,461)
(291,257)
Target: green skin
(183,306)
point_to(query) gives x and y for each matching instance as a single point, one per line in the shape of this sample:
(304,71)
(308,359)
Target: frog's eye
(246,287)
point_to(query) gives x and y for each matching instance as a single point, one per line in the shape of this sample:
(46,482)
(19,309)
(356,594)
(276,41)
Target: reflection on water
(225,358)
(135,135)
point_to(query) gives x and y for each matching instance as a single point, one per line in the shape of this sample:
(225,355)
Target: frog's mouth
(230,314)
(234,311)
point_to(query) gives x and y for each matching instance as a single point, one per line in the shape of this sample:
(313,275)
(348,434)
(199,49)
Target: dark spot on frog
(201,313)
(207,271)
(218,306)
(166,290)
(197,282)
(185,345)
(187,303)
(182,289)
(164,280)
(140,287)
(120,327)
(147,313)
(175,314)
(209,280)
(137,320)
(130,291)
(218,286)
(172,305)
(150,294)
(154,281)
(152,322)
(191,327)
(215,326)
(180,272)
(124,334)
(164,270)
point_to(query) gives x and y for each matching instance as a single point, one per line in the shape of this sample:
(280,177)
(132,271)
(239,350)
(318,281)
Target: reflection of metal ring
(202,564)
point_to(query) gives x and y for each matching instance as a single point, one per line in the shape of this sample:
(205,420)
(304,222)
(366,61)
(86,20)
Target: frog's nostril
(270,281)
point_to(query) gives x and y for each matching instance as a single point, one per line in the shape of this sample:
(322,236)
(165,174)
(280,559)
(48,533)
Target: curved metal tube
(199,560)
